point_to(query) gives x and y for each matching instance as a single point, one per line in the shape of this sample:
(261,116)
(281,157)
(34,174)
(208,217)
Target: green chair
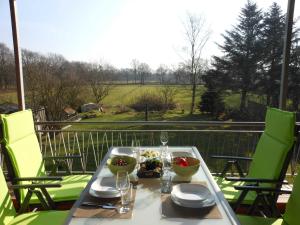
(8,214)
(269,163)
(26,164)
(291,215)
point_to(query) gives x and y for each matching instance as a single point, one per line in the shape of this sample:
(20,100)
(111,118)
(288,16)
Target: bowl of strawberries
(185,166)
(121,163)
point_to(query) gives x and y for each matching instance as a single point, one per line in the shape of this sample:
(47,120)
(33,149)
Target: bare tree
(135,64)
(168,93)
(99,83)
(161,73)
(197,35)
(7,77)
(144,71)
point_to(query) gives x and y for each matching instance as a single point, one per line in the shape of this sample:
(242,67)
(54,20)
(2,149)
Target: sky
(118,31)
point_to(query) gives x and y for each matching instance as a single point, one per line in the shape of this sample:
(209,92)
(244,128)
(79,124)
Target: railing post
(146,113)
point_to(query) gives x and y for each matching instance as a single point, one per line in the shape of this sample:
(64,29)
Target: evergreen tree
(212,100)
(242,52)
(273,34)
(294,77)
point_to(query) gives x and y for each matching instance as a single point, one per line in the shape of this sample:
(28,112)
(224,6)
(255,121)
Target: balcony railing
(92,139)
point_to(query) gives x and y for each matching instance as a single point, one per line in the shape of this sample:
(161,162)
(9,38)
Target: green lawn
(8,96)
(124,95)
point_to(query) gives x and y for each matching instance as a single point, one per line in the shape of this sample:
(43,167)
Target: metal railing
(92,139)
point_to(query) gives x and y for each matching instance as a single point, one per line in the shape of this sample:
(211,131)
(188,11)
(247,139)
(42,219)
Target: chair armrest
(26,186)
(230,157)
(38,178)
(62,157)
(257,180)
(263,189)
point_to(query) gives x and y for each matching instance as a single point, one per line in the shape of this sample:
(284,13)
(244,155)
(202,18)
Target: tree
(294,77)
(161,73)
(168,93)
(143,71)
(272,39)
(212,102)
(197,36)
(99,83)
(6,67)
(243,52)
(135,64)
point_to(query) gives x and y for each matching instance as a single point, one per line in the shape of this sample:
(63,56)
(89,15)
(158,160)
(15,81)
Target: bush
(122,109)
(212,102)
(153,101)
(168,93)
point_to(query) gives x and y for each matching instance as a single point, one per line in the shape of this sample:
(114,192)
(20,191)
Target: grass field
(124,95)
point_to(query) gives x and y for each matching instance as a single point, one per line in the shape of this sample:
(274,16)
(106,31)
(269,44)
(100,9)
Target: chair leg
(25,203)
(48,198)
(255,204)
(42,200)
(239,168)
(240,200)
(226,168)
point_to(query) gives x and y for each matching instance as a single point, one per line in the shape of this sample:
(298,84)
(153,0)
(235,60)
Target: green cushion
(254,220)
(41,218)
(71,188)
(280,125)
(273,145)
(24,152)
(232,194)
(20,140)
(17,125)
(292,213)
(7,210)
(274,152)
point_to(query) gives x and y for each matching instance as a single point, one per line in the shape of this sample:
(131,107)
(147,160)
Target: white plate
(122,151)
(101,195)
(191,193)
(104,186)
(206,203)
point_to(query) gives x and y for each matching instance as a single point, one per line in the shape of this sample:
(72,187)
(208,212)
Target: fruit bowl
(185,166)
(150,168)
(121,163)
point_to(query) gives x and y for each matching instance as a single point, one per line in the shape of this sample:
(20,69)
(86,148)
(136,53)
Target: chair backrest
(22,146)
(7,210)
(275,145)
(292,212)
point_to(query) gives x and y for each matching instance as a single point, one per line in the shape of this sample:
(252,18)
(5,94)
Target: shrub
(122,109)
(212,102)
(168,93)
(153,101)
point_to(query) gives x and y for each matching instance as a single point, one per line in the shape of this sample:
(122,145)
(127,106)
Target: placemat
(88,212)
(171,210)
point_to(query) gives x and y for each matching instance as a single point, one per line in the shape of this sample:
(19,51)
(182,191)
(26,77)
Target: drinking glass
(123,185)
(164,137)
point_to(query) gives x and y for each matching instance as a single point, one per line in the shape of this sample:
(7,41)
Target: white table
(147,206)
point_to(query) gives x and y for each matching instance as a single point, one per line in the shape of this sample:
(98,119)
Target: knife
(103,206)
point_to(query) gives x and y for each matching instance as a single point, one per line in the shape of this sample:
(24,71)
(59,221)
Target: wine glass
(164,137)
(123,185)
